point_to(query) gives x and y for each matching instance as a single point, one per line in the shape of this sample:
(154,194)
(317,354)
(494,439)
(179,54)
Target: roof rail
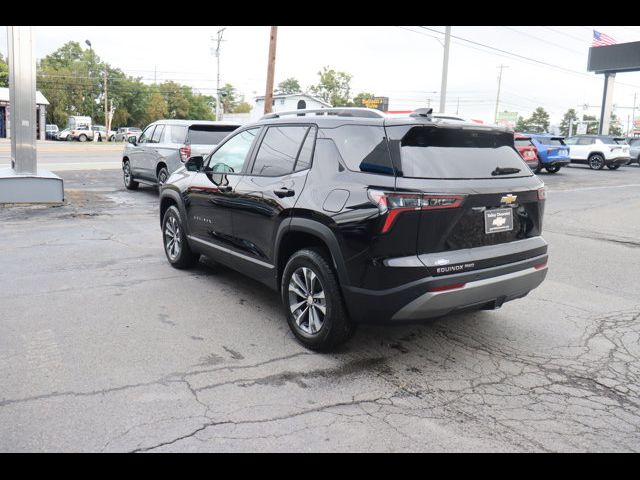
(338,111)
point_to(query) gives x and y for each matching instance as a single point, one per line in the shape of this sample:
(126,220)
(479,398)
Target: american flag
(601,39)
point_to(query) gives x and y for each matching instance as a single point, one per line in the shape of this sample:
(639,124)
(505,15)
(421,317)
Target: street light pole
(92,99)
(445,68)
(217,54)
(501,67)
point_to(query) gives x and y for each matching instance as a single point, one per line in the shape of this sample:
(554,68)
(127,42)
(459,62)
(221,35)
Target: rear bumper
(617,161)
(556,162)
(483,288)
(489,293)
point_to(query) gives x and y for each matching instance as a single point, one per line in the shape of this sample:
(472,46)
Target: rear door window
(453,153)
(279,150)
(208,134)
(523,142)
(584,141)
(157,134)
(175,134)
(362,148)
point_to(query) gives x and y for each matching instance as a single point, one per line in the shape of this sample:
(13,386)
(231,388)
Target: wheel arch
(301,233)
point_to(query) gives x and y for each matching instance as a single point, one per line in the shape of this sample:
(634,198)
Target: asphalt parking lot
(105,347)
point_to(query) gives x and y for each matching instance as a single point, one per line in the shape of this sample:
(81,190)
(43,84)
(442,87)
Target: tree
(522,125)
(615,126)
(358,100)
(156,107)
(228,98)
(569,117)
(592,124)
(334,87)
(539,120)
(288,86)
(242,107)
(4,72)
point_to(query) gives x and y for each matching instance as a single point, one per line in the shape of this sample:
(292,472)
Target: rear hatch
(476,190)
(623,150)
(203,138)
(556,148)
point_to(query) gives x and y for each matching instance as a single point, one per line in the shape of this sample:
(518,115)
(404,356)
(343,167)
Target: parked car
(62,134)
(82,133)
(599,150)
(165,145)
(50,131)
(527,151)
(123,133)
(553,153)
(102,135)
(634,149)
(354,216)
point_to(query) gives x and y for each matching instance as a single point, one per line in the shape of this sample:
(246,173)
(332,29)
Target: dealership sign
(381,103)
(508,119)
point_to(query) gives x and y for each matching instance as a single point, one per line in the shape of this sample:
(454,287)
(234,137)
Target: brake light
(185,152)
(393,204)
(541,265)
(542,193)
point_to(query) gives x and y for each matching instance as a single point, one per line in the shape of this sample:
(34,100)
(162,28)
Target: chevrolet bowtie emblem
(508,199)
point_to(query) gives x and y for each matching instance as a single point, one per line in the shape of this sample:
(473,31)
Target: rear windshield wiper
(504,171)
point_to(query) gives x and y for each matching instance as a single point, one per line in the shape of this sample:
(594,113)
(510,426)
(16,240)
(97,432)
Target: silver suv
(165,145)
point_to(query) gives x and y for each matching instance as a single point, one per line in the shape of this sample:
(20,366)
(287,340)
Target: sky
(544,65)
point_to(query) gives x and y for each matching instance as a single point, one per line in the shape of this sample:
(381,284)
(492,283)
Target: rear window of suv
(550,141)
(455,153)
(523,142)
(208,134)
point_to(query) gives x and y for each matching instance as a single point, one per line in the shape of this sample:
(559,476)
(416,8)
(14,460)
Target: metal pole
(633,113)
(458,106)
(445,68)
(22,93)
(495,117)
(271,69)
(218,40)
(106,107)
(607,100)
(570,126)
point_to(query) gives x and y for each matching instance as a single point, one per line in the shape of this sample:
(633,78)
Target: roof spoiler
(422,112)
(339,112)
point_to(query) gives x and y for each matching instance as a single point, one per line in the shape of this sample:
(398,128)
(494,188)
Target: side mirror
(194,164)
(133,140)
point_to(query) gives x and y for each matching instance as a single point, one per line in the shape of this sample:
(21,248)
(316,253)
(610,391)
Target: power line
(541,39)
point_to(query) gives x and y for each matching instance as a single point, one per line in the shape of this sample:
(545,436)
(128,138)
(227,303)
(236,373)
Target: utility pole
(107,123)
(458,106)
(445,68)
(633,114)
(271,69)
(217,54)
(501,67)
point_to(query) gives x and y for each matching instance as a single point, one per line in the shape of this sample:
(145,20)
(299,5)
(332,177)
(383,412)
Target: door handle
(224,188)
(284,192)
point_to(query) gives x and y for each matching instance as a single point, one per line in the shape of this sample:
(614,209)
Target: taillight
(529,153)
(542,193)
(447,287)
(185,152)
(393,204)
(540,265)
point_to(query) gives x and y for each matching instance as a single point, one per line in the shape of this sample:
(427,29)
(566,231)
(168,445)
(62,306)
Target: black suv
(354,216)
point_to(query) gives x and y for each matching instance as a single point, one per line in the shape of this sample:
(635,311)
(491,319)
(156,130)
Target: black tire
(596,162)
(613,167)
(112,138)
(82,138)
(69,138)
(538,169)
(129,182)
(163,175)
(554,169)
(99,137)
(178,253)
(335,327)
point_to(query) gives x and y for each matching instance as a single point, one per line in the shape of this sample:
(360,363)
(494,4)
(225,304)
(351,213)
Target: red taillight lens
(393,204)
(541,265)
(185,152)
(447,287)
(542,193)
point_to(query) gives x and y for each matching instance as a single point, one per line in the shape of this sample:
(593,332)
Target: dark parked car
(354,216)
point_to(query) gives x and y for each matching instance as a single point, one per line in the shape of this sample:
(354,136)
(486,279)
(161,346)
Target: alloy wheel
(307,300)
(173,240)
(127,173)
